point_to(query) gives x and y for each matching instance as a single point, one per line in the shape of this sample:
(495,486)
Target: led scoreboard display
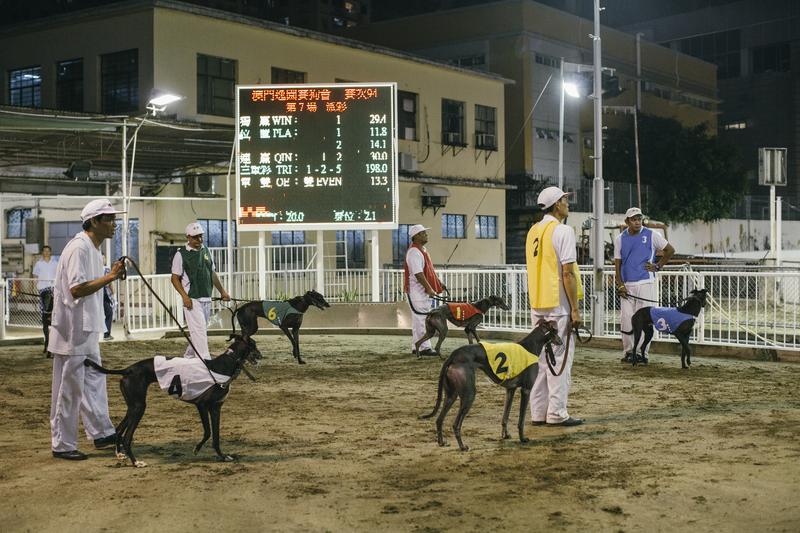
(316,156)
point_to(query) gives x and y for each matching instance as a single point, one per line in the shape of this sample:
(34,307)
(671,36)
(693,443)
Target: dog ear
(553,324)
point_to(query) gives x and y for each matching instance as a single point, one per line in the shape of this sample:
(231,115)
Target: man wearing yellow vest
(553,290)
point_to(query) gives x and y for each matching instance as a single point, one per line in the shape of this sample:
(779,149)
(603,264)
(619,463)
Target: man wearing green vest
(193,276)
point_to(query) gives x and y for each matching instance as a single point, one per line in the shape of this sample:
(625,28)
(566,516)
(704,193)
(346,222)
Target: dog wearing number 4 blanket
(187,379)
(511,365)
(677,321)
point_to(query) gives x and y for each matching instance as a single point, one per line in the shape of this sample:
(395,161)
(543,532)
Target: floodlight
(571,89)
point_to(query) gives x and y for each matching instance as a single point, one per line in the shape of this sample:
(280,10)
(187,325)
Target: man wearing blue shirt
(635,264)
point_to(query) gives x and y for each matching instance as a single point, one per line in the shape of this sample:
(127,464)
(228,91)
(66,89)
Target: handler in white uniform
(420,283)
(77,324)
(551,257)
(192,276)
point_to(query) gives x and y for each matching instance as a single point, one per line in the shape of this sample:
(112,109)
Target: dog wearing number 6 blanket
(286,314)
(177,377)
(511,365)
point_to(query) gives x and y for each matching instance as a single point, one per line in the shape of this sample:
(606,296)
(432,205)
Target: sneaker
(568,422)
(627,358)
(105,442)
(428,352)
(71,455)
(108,338)
(538,422)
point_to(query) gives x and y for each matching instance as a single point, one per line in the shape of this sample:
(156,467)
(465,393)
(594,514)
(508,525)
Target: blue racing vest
(636,250)
(667,319)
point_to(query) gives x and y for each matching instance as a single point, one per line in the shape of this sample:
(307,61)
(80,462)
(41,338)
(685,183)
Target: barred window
(119,78)
(453,226)
(216,232)
(400,243)
(216,80)
(486,227)
(453,123)
(485,127)
(284,75)
(25,87)
(350,244)
(69,85)
(15,222)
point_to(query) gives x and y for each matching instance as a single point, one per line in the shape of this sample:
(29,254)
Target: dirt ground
(336,445)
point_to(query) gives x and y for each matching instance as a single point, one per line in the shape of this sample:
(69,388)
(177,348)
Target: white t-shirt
(566,252)
(416,265)
(45,272)
(77,324)
(177,269)
(659,243)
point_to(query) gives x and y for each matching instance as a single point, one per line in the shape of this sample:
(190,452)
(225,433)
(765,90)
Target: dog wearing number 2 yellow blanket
(511,365)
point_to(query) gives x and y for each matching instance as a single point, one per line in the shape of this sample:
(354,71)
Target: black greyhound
(643,320)
(286,314)
(137,378)
(457,378)
(436,321)
(46,305)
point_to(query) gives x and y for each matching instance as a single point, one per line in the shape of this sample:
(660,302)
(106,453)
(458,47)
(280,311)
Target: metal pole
(229,265)
(128,307)
(772,229)
(639,74)
(3,292)
(376,285)
(262,265)
(636,143)
(320,263)
(561,131)
(598,309)
(778,224)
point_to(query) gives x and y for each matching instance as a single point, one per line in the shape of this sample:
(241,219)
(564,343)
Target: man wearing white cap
(76,326)
(420,283)
(554,289)
(634,255)
(193,276)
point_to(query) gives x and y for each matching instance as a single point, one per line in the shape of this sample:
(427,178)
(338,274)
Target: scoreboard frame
(393,196)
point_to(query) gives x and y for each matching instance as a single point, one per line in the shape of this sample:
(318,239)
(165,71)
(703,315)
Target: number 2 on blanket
(501,368)
(175,388)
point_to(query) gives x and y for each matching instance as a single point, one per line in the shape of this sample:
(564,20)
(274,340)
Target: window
(774,57)
(485,127)
(722,48)
(735,126)
(216,232)
(486,227)
(453,226)
(400,243)
(548,61)
(453,123)
(289,258)
(407,115)
(69,85)
(216,79)
(133,240)
(15,222)
(474,61)
(119,77)
(283,75)
(351,244)
(288,237)
(25,87)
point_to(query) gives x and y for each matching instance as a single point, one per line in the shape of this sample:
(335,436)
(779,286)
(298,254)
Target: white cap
(416,228)
(194,229)
(101,206)
(549,196)
(633,212)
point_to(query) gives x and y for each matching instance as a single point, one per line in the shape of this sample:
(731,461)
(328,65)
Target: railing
(745,308)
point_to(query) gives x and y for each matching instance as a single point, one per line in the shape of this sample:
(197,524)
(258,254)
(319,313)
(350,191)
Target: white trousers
(628,306)
(549,394)
(423,305)
(77,390)
(197,324)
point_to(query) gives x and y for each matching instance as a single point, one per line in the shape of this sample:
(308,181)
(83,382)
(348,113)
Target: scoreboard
(314,157)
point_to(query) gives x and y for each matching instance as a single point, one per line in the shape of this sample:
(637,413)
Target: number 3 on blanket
(175,388)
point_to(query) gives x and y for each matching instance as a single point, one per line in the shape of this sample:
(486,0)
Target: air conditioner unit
(200,186)
(485,140)
(452,138)
(408,162)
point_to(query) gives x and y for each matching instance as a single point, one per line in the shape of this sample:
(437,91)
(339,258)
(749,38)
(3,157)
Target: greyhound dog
(46,307)
(286,314)
(465,315)
(678,321)
(457,379)
(137,378)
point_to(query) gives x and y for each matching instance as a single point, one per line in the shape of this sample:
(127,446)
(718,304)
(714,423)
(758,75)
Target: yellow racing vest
(508,359)
(544,272)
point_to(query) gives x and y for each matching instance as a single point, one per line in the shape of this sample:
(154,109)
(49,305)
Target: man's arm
(571,289)
(176,282)
(90,287)
(218,284)
(424,282)
(669,251)
(621,289)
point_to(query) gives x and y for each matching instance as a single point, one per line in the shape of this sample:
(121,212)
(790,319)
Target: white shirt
(77,323)
(45,272)
(177,269)
(416,265)
(659,243)
(566,252)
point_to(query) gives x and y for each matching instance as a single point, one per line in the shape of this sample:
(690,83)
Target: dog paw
(140,464)
(505,436)
(464,448)
(225,458)
(121,456)
(524,440)
(300,361)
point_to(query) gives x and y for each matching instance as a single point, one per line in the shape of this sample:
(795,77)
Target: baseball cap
(416,228)
(633,212)
(193,229)
(101,206)
(549,196)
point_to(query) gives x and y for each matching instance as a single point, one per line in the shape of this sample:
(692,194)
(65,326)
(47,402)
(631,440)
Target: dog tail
(445,366)
(87,362)
(626,332)
(234,312)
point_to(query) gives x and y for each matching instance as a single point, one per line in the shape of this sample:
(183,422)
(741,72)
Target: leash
(218,299)
(676,302)
(21,292)
(188,338)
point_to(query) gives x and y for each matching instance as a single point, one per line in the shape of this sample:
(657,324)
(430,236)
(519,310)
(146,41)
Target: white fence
(757,308)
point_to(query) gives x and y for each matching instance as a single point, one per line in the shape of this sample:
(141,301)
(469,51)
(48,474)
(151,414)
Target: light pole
(598,310)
